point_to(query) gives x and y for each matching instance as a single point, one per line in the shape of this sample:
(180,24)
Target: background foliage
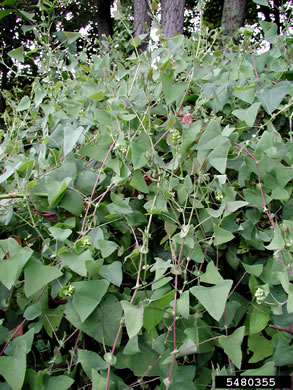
(147,215)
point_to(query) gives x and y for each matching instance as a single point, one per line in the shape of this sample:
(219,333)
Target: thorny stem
(174,315)
(226,332)
(12,336)
(132,298)
(260,185)
(94,189)
(264,203)
(145,373)
(74,349)
(281,329)
(252,57)
(174,333)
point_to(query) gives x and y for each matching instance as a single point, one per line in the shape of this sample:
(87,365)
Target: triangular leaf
(13,368)
(91,360)
(232,345)
(56,189)
(247,115)
(112,272)
(277,241)
(133,317)
(37,276)
(87,296)
(270,98)
(218,157)
(71,136)
(77,262)
(213,298)
(17,54)
(222,235)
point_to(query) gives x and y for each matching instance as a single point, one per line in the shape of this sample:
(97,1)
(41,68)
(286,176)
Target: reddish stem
(260,185)
(12,336)
(74,349)
(174,316)
(145,373)
(95,186)
(281,329)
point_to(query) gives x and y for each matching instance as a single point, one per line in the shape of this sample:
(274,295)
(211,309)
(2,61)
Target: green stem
(12,195)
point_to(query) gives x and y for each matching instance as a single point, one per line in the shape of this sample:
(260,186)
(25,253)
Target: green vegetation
(147,215)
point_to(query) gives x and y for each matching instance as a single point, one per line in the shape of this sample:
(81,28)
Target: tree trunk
(233,15)
(104,20)
(142,21)
(172,12)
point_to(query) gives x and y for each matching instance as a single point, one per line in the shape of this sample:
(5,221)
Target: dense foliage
(147,217)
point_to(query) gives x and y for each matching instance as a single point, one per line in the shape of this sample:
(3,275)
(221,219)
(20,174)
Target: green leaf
(183,305)
(24,104)
(5,12)
(60,382)
(132,347)
(56,189)
(211,275)
(138,155)
(258,320)
(52,318)
(37,276)
(121,206)
(71,136)
(99,150)
(222,235)
(27,338)
(140,362)
(234,206)
(260,346)
(253,269)
(133,317)
(11,268)
(277,241)
(247,94)
(17,54)
(98,96)
(172,91)
(247,115)
(112,272)
(87,296)
(59,234)
(91,360)
(33,311)
(283,354)
(13,368)
(218,157)
(213,298)
(211,136)
(76,262)
(28,15)
(139,183)
(98,381)
(102,325)
(72,36)
(187,348)
(107,247)
(290,299)
(267,369)
(154,312)
(261,2)
(270,98)
(232,345)
(72,202)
